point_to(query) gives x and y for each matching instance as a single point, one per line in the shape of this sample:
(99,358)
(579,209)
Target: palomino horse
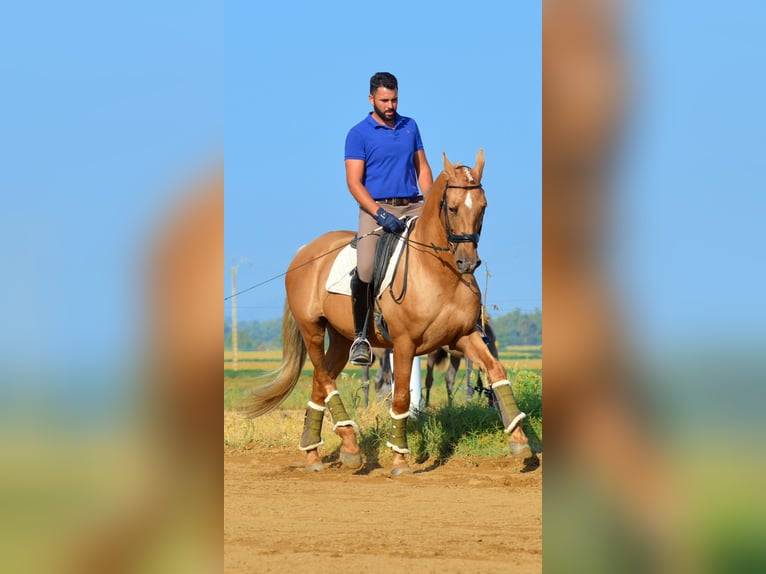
(439,308)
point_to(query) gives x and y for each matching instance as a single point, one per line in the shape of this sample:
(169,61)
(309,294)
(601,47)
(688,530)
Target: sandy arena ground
(471,516)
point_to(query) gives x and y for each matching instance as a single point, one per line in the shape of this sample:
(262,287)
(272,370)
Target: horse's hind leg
(325,396)
(335,359)
(311,439)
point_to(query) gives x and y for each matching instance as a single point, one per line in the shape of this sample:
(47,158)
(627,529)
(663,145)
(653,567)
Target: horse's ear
(448,168)
(479,165)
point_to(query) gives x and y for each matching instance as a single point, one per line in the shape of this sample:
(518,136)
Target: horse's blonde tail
(268,397)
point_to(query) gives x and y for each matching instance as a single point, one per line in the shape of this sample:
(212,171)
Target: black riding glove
(388,222)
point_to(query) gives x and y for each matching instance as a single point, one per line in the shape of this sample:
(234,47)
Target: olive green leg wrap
(312,428)
(398,437)
(338,412)
(509,411)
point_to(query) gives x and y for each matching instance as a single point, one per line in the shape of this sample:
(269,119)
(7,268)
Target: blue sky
(690,222)
(297,78)
(107,109)
(106,112)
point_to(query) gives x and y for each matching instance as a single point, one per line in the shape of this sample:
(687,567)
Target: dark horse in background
(441,255)
(437,358)
(384,376)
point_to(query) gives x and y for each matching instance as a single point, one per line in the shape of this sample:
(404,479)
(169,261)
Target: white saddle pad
(339,280)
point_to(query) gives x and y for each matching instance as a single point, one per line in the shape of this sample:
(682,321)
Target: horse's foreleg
(365,384)
(383,376)
(400,410)
(430,364)
(451,375)
(475,349)
(468,377)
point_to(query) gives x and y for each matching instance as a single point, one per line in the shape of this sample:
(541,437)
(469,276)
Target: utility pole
(234,317)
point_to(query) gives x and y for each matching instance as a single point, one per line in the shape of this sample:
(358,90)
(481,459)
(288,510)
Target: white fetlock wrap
(520,416)
(341,423)
(502,382)
(311,447)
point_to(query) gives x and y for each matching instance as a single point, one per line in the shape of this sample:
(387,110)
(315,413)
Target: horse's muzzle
(466,265)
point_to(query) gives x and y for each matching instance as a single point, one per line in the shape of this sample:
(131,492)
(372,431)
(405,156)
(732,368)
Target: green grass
(461,427)
(471,428)
(237,386)
(515,353)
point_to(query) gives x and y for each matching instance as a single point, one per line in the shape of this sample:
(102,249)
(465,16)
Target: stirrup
(360,353)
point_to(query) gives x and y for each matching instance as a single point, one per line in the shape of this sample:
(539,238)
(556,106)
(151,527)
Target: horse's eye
(453,209)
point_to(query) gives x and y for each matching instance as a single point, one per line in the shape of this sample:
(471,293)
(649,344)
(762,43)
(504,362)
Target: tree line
(517,328)
(514,328)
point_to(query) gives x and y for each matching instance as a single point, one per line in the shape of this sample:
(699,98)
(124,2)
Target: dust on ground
(478,515)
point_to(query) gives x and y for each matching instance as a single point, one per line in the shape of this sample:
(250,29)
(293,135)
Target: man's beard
(381,113)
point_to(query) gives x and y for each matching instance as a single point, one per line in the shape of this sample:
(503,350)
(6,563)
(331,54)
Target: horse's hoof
(401,470)
(520,450)
(316,467)
(353,461)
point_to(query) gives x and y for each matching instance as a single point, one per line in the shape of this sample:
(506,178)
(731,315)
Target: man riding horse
(441,255)
(385,164)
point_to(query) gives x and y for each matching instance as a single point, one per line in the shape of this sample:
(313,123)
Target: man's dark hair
(385,80)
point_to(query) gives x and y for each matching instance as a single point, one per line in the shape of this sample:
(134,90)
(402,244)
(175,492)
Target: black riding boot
(361,352)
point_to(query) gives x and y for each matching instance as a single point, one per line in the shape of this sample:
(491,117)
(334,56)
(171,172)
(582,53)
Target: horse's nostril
(467,265)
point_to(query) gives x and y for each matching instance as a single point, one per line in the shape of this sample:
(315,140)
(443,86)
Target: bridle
(453,238)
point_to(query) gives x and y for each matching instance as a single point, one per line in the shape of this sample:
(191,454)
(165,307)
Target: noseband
(453,238)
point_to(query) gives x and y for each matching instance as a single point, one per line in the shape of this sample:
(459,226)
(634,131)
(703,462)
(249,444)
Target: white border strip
(398,417)
(348,423)
(311,447)
(516,420)
(398,449)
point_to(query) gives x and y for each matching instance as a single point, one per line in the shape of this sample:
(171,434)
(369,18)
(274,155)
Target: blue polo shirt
(389,168)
